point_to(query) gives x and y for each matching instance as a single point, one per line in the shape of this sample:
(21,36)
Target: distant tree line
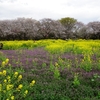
(65,28)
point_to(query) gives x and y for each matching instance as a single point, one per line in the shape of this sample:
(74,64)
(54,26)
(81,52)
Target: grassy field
(50,70)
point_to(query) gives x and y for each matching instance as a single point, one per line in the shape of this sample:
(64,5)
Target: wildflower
(26,92)
(19,77)
(12,97)
(15,74)
(32,83)
(3,64)
(8,77)
(4,72)
(5,81)
(9,87)
(6,61)
(0,73)
(19,87)
(7,99)
(56,64)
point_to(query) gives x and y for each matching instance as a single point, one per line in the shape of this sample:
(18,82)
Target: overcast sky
(82,10)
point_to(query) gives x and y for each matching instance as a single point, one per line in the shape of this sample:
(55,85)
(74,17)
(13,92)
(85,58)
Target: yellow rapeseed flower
(19,77)
(0,73)
(6,61)
(15,74)
(3,64)
(7,99)
(9,87)
(4,72)
(12,97)
(5,81)
(32,83)
(20,87)
(26,92)
(9,79)
(56,64)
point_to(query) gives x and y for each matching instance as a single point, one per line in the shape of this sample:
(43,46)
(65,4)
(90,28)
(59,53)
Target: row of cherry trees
(65,28)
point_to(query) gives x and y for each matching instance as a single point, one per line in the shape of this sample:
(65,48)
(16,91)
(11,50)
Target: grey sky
(82,10)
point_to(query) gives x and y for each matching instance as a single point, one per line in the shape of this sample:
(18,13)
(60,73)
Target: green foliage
(68,23)
(76,81)
(56,73)
(98,64)
(2,56)
(99,95)
(43,64)
(52,67)
(94,80)
(86,63)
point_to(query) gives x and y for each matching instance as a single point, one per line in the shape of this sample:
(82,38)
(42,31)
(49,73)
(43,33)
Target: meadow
(50,70)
